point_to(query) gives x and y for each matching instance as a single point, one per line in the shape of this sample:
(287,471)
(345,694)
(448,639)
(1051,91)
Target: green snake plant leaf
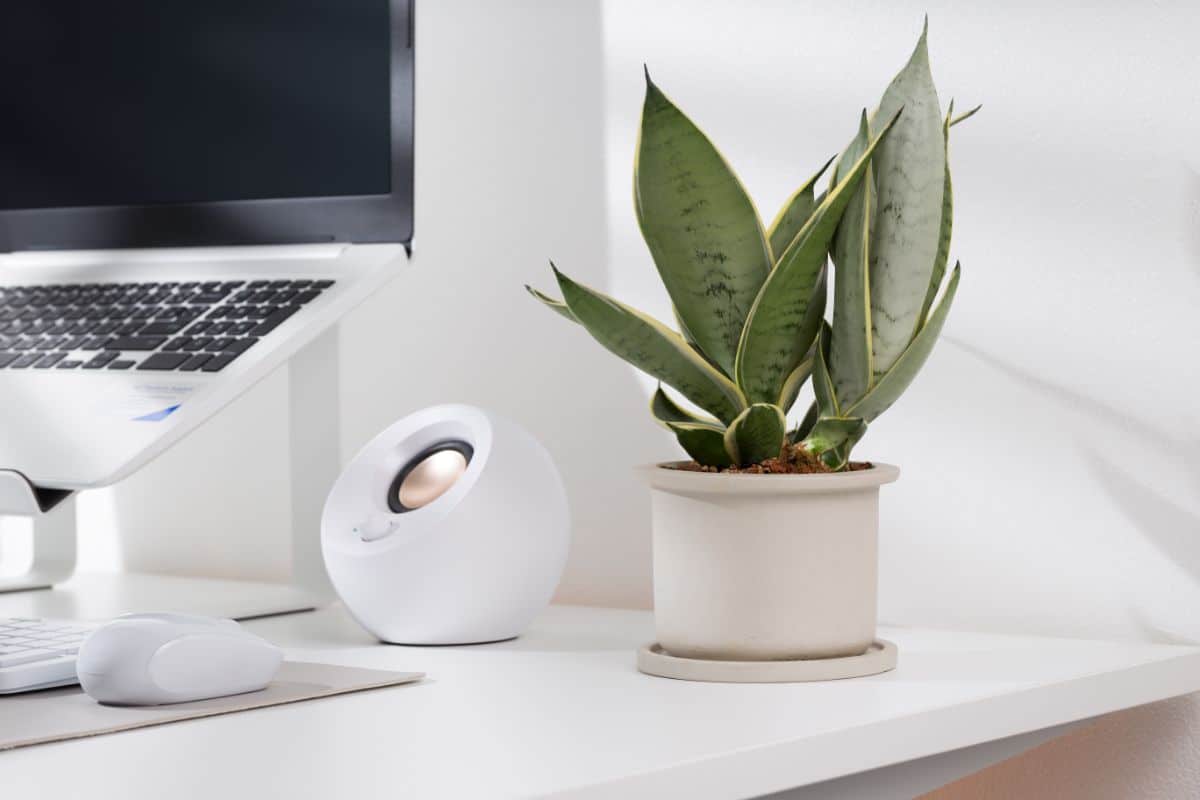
(784,319)
(794,214)
(651,347)
(757,434)
(946,229)
(897,379)
(702,439)
(806,424)
(850,346)
(943,252)
(705,445)
(551,303)
(793,384)
(666,411)
(966,115)
(700,225)
(909,174)
(832,438)
(823,388)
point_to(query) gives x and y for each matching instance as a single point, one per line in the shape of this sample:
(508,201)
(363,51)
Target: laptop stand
(314,463)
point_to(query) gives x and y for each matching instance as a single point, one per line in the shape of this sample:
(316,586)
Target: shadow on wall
(1171,528)
(1126,462)
(509,173)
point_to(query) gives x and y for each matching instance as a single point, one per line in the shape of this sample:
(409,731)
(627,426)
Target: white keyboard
(39,653)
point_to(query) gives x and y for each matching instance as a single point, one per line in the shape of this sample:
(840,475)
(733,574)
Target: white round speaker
(449,527)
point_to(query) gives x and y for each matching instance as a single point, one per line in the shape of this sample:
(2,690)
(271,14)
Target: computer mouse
(152,659)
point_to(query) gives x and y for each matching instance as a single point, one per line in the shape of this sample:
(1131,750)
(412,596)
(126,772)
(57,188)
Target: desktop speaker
(449,527)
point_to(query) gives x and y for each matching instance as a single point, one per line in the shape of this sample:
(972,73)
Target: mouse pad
(55,715)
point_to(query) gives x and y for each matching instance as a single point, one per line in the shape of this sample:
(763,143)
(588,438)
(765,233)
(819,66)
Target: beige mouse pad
(55,715)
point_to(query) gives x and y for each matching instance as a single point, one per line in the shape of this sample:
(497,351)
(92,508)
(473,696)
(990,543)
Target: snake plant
(750,300)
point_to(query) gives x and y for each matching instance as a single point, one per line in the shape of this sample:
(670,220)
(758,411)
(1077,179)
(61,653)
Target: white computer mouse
(151,659)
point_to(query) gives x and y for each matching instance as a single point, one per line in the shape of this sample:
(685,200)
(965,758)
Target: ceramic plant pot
(765,567)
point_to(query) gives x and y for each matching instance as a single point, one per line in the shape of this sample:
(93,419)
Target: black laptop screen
(156,102)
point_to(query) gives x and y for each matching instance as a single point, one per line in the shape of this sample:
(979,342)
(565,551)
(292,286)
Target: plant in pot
(765,543)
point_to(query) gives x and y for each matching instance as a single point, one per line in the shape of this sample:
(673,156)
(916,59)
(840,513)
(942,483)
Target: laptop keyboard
(174,326)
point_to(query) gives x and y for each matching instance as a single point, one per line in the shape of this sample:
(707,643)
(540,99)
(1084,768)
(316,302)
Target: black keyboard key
(274,320)
(122,364)
(306,297)
(129,328)
(102,359)
(161,328)
(26,360)
(198,343)
(8,358)
(72,364)
(205,325)
(195,362)
(178,343)
(74,342)
(94,343)
(241,328)
(49,360)
(218,363)
(239,346)
(136,342)
(206,299)
(164,361)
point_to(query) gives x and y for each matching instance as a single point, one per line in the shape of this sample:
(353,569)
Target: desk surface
(562,711)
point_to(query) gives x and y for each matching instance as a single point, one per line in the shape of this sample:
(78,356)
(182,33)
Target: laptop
(190,192)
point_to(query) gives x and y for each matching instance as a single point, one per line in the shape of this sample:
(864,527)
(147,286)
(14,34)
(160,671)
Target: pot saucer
(879,657)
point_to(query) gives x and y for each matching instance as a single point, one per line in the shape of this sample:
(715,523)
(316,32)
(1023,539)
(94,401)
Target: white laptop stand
(314,463)
(53,534)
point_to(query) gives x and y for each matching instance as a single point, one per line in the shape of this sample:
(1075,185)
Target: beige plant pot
(765,567)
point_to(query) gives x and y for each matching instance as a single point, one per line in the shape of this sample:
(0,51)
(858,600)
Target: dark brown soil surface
(795,460)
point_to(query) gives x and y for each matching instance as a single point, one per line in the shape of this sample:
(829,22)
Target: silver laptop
(189,193)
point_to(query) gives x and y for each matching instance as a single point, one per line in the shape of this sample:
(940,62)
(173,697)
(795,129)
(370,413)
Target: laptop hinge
(19,497)
(175,255)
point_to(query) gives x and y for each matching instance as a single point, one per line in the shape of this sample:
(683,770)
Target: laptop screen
(130,102)
(164,103)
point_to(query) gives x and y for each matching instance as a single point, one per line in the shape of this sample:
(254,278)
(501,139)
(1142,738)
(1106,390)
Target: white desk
(562,712)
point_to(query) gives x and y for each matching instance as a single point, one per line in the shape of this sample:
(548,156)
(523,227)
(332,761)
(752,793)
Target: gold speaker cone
(431,478)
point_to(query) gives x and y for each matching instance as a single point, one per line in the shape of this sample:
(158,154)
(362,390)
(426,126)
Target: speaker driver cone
(428,475)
